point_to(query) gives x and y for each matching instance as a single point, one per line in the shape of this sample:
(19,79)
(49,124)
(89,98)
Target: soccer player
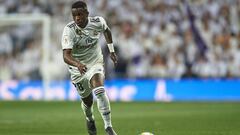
(85,62)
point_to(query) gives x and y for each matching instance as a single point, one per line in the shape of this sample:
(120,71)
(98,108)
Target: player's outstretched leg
(102,102)
(87,106)
(104,109)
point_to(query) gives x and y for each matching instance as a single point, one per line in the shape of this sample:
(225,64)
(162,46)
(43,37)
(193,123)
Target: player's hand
(82,68)
(113,56)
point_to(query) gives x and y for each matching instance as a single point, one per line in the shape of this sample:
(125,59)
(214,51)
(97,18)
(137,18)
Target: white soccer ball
(146,133)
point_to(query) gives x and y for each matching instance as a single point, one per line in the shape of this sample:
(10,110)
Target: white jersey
(84,43)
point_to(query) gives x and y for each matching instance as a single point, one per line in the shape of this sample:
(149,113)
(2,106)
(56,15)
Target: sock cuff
(98,90)
(100,87)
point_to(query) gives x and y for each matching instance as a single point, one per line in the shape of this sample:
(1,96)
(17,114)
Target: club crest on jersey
(79,32)
(95,33)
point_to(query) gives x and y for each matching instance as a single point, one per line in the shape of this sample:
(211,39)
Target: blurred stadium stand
(154,38)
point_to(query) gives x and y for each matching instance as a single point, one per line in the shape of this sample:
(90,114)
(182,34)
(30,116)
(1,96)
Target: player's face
(80,16)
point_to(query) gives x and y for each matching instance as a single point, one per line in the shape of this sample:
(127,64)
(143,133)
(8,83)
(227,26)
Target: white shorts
(83,85)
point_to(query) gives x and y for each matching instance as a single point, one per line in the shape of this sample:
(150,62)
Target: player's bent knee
(97,80)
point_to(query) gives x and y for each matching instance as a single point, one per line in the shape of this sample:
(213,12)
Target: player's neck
(84,25)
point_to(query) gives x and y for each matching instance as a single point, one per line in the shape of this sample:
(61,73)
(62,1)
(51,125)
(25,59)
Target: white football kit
(85,49)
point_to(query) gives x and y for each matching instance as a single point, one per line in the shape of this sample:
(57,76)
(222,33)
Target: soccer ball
(146,133)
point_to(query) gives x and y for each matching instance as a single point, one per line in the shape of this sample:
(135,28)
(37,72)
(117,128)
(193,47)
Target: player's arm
(67,57)
(67,45)
(108,36)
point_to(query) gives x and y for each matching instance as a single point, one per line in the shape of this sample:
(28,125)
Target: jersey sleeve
(104,25)
(67,38)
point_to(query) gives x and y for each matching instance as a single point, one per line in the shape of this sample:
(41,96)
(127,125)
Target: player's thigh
(96,75)
(97,80)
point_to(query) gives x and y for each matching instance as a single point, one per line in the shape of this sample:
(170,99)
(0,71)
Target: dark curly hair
(79,4)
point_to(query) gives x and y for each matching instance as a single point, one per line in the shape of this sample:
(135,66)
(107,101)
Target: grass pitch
(66,118)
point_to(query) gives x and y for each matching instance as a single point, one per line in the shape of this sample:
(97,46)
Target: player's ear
(86,12)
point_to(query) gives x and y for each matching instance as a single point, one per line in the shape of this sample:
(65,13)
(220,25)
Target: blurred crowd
(153,38)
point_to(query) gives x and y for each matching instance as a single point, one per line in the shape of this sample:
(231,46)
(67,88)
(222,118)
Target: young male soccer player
(85,62)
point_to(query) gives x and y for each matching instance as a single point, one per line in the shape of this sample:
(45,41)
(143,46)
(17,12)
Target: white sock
(88,111)
(103,106)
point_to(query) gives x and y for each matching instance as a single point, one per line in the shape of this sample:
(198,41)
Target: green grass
(66,118)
